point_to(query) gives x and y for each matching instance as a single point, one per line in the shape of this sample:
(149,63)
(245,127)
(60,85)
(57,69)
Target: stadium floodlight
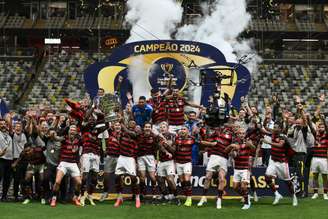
(52,41)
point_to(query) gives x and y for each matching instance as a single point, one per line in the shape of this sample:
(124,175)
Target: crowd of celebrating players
(50,154)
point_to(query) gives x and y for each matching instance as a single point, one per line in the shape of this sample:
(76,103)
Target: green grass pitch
(307,209)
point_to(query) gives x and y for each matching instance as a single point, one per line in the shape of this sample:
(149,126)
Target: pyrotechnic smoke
(152,19)
(149,20)
(194,92)
(138,76)
(221,26)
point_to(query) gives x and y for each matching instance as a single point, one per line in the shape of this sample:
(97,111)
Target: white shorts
(319,165)
(71,168)
(33,168)
(206,158)
(183,168)
(216,162)
(241,176)
(174,128)
(110,164)
(126,165)
(278,169)
(146,163)
(166,168)
(89,162)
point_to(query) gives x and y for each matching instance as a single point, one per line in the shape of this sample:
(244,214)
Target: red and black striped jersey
(90,143)
(206,134)
(147,144)
(36,157)
(321,148)
(278,154)
(183,149)
(113,145)
(128,145)
(69,151)
(159,112)
(170,138)
(223,139)
(254,135)
(175,110)
(243,159)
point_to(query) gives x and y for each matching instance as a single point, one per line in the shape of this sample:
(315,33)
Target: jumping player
(278,165)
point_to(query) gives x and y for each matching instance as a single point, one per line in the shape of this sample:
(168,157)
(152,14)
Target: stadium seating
(14,22)
(3,18)
(102,22)
(62,77)
(288,80)
(13,75)
(305,26)
(267,25)
(84,22)
(55,22)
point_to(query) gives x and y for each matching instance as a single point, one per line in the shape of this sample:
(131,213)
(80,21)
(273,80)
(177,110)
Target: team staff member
(6,157)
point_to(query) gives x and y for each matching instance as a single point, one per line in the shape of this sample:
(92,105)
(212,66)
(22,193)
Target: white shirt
(268,137)
(19,142)
(6,142)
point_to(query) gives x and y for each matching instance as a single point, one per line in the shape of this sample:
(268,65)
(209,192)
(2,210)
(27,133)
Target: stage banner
(164,59)
(258,177)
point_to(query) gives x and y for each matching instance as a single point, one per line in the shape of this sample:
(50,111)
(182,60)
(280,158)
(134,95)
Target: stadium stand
(62,76)
(14,22)
(84,22)
(3,18)
(55,22)
(102,22)
(267,25)
(13,75)
(288,80)
(305,26)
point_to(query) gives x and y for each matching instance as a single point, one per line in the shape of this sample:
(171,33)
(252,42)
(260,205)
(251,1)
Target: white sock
(137,196)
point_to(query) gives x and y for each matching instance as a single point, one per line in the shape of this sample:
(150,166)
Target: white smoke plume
(152,19)
(138,76)
(194,92)
(149,20)
(221,26)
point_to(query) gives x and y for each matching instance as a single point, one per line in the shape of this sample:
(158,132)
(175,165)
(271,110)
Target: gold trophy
(167,68)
